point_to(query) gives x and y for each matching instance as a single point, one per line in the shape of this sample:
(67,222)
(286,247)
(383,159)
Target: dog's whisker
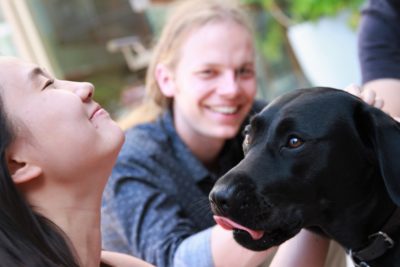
(202,206)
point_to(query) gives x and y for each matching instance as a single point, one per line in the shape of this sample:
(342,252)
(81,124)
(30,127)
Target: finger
(353,89)
(397,118)
(368,96)
(378,103)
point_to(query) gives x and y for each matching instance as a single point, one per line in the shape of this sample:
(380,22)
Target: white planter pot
(327,51)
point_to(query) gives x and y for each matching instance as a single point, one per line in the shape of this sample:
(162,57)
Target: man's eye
(246,72)
(207,73)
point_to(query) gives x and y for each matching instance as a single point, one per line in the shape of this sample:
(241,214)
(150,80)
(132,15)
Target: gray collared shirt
(155,205)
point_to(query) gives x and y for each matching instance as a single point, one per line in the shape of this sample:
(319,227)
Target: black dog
(318,158)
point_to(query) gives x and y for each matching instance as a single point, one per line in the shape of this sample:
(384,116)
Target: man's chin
(225,133)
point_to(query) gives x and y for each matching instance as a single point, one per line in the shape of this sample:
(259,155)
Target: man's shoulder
(146,138)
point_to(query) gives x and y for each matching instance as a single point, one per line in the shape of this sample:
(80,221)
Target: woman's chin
(112,143)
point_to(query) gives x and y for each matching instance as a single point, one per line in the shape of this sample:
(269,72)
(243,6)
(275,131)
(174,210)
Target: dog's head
(303,153)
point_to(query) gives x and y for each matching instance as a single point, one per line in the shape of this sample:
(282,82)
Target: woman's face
(58,125)
(214,81)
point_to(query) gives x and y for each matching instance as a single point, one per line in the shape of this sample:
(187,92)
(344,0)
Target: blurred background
(108,42)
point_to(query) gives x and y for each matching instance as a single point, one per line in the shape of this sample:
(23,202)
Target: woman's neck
(78,217)
(83,229)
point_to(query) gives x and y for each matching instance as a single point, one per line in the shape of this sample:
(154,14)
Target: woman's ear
(22,172)
(165,80)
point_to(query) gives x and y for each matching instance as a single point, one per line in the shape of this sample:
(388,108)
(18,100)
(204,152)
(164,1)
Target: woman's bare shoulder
(116,259)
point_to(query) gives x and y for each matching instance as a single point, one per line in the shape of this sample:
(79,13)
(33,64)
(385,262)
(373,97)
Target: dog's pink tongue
(230,225)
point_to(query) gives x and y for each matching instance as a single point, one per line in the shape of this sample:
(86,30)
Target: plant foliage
(289,12)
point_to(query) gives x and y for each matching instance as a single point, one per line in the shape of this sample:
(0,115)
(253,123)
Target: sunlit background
(108,42)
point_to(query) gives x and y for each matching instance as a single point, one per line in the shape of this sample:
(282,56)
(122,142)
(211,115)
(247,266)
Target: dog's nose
(230,199)
(221,200)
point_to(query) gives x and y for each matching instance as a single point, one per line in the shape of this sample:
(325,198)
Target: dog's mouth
(231,225)
(260,239)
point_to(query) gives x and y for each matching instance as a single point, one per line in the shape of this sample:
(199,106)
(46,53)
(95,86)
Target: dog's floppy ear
(385,137)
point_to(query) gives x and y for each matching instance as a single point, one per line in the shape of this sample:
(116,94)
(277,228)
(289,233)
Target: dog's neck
(379,243)
(362,212)
(361,221)
(367,217)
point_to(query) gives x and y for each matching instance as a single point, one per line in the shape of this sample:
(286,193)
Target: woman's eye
(294,142)
(48,83)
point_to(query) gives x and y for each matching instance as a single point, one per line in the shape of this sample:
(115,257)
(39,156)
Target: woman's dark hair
(26,238)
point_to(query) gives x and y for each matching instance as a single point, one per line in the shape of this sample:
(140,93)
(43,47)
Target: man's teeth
(225,110)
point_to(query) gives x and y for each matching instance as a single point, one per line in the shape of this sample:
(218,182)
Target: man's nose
(228,85)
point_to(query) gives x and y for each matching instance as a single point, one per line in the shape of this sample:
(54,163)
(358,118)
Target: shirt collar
(230,155)
(197,170)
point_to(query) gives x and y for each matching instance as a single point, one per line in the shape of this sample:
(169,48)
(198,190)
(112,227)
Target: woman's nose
(85,91)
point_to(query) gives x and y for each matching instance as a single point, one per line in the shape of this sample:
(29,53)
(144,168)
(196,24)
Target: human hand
(368,96)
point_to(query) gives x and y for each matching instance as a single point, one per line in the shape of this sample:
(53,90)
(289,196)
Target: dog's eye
(247,140)
(294,142)
(246,143)
(246,130)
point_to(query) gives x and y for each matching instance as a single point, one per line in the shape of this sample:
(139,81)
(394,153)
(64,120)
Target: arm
(116,259)
(165,237)
(389,91)
(306,249)
(227,253)
(379,98)
(143,221)
(379,51)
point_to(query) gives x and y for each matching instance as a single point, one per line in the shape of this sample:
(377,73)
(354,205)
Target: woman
(200,89)
(57,149)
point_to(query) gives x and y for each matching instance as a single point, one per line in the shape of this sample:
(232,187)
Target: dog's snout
(230,199)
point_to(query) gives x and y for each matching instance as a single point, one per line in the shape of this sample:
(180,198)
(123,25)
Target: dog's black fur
(315,158)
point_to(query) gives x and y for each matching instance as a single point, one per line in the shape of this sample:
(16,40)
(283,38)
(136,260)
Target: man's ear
(165,80)
(22,172)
